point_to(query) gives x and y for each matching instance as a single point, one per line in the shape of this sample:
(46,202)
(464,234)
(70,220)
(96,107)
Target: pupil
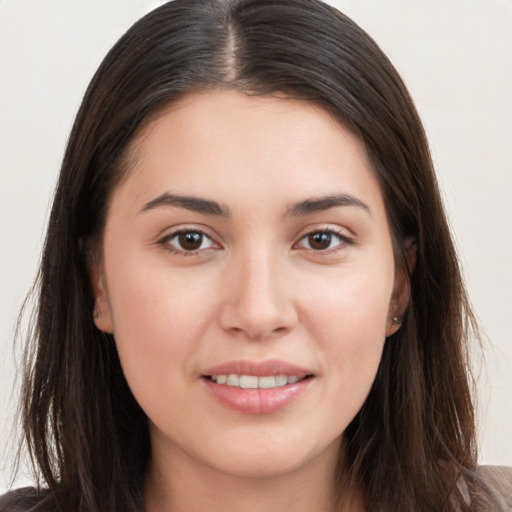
(319,240)
(190,241)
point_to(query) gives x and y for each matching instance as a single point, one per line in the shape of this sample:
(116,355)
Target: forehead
(222,142)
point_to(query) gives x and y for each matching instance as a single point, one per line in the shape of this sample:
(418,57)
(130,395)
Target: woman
(249,297)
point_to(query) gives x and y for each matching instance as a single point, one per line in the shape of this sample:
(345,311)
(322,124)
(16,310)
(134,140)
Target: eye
(187,241)
(322,240)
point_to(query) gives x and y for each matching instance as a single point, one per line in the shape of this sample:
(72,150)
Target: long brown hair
(414,436)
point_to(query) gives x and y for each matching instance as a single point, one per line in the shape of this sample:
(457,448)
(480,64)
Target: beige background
(455,56)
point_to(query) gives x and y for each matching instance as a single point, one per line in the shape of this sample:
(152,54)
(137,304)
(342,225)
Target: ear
(401,289)
(102,314)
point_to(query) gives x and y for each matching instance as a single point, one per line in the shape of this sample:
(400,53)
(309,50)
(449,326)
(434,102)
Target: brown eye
(188,241)
(319,241)
(322,240)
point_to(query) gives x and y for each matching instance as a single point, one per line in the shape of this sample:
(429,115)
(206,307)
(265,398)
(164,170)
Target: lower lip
(257,401)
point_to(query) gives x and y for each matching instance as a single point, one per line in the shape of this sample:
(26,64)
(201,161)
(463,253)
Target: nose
(257,301)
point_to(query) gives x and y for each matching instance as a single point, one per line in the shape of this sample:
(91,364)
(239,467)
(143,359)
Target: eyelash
(344,240)
(165,241)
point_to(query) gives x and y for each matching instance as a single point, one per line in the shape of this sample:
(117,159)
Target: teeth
(281,380)
(233,380)
(248,382)
(267,382)
(254,382)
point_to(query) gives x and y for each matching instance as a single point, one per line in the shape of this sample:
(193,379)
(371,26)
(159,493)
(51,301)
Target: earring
(395,319)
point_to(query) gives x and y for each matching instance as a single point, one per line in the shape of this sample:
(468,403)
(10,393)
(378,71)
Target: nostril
(257,316)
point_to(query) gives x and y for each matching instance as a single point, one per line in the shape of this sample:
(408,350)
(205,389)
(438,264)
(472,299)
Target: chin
(260,467)
(264,458)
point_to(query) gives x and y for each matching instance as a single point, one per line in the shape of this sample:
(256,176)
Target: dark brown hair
(414,436)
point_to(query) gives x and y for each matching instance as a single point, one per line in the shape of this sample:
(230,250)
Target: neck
(178,483)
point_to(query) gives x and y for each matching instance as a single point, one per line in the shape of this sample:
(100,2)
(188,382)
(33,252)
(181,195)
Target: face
(247,275)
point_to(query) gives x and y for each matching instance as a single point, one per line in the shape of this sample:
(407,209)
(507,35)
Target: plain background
(454,55)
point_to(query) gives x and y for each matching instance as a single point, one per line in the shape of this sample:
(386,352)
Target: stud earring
(395,319)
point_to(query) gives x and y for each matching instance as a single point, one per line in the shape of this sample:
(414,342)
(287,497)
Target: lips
(257,387)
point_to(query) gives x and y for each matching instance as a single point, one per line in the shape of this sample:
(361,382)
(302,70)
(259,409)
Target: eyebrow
(195,204)
(320,204)
(209,207)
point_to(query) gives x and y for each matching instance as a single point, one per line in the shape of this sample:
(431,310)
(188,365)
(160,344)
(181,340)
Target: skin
(256,289)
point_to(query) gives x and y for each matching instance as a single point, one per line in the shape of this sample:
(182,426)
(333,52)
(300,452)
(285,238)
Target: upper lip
(258,368)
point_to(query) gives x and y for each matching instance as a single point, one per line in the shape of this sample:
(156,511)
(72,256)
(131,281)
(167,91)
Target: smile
(255,382)
(262,387)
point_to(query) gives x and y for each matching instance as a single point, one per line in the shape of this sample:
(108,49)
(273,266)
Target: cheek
(352,305)
(159,321)
(349,323)
(146,295)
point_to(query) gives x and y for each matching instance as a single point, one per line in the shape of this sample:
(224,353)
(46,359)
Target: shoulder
(498,481)
(27,499)
(490,486)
